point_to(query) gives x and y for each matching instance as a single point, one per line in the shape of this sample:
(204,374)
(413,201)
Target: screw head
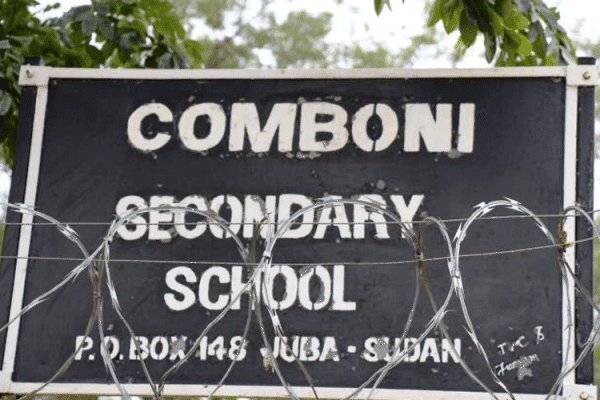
(584,396)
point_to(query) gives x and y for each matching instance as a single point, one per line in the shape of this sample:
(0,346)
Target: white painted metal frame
(36,76)
(25,235)
(575,76)
(569,198)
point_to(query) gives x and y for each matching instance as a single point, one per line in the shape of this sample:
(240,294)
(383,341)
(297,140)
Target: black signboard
(93,145)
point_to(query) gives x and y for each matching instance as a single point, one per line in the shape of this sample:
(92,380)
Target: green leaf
(76,36)
(51,7)
(378,6)
(5,102)
(503,7)
(550,59)
(525,6)
(516,20)
(530,61)
(14,57)
(164,61)
(101,8)
(468,29)
(550,15)
(451,15)
(566,57)
(212,12)
(525,48)
(88,25)
(194,51)
(95,54)
(490,47)
(436,13)
(497,23)
(136,25)
(4,44)
(22,41)
(519,43)
(128,40)
(79,13)
(106,28)
(108,48)
(538,39)
(155,8)
(124,54)
(170,26)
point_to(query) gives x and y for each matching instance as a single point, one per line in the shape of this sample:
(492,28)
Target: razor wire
(259,264)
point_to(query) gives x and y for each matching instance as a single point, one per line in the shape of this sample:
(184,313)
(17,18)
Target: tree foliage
(126,33)
(236,35)
(515,32)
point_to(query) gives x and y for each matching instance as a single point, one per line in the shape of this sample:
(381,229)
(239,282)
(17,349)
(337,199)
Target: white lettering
(340,221)
(389,122)
(235,222)
(324,279)
(407,212)
(138,348)
(111,345)
(286,352)
(430,349)
(164,224)
(330,351)
(309,348)
(237,285)
(454,351)
(291,287)
(305,224)
(124,206)
(309,127)
(82,343)
(181,227)
(435,131)
(158,217)
(134,124)
(415,353)
(466,128)
(322,127)
(244,119)
(361,215)
(186,295)
(339,304)
(159,342)
(177,343)
(187,133)
(370,353)
(254,214)
(222,276)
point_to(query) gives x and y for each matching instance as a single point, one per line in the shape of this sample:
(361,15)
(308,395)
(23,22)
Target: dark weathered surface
(88,165)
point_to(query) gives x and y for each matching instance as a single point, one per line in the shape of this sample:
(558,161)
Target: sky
(356,21)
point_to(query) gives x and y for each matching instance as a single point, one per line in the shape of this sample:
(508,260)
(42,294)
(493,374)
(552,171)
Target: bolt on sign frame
(92,144)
